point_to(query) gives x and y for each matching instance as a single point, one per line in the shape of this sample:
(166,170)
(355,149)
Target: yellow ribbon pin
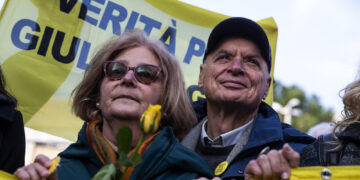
(221,168)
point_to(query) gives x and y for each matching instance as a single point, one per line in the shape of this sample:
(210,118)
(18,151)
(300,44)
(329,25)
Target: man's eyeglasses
(145,73)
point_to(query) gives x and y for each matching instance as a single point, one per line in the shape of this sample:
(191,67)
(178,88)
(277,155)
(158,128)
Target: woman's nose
(129,78)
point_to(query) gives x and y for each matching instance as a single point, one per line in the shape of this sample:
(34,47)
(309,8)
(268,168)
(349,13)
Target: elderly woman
(342,147)
(124,77)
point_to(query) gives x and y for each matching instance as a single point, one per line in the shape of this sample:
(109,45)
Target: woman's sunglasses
(145,73)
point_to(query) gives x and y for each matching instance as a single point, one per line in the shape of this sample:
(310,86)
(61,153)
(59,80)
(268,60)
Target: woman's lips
(127,97)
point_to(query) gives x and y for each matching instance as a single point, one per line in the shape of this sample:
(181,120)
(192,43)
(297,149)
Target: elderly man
(236,125)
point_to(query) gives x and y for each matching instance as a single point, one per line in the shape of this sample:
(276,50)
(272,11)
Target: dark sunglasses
(144,73)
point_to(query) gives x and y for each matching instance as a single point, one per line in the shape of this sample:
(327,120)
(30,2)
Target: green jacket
(79,160)
(166,158)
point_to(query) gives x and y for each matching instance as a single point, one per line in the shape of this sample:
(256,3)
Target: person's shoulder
(292,133)
(296,139)
(315,154)
(8,110)
(309,155)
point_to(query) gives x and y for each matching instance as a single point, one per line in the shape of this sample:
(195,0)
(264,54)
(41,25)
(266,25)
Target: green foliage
(123,138)
(107,172)
(312,110)
(114,172)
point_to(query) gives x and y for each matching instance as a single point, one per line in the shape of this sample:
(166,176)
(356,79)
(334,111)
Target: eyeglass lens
(143,73)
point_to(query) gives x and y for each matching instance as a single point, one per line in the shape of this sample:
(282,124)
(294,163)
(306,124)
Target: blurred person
(341,147)
(123,78)
(235,124)
(320,129)
(12,133)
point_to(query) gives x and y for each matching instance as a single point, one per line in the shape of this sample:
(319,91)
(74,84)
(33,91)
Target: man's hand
(274,165)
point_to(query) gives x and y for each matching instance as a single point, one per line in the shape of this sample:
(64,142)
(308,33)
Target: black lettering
(44,45)
(59,39)
(67,6)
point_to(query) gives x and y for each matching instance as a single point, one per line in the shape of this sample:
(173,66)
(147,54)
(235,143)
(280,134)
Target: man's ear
(201,76)
(268,84)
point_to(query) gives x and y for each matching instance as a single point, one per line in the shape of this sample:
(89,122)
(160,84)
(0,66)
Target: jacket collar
(191,139)
(267,126)
(82,149)
(268,129)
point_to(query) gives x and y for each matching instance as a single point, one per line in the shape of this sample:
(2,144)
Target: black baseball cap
(239,27)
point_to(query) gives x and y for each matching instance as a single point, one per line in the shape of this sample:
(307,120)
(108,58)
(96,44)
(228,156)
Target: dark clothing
(12,136)
(79,160)
(165,159)
(331,152)
(213,155)
(267,130)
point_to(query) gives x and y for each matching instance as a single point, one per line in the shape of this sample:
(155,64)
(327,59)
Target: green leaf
(124,160)
(123,138)
(122,157)
(137,159)
(107,172)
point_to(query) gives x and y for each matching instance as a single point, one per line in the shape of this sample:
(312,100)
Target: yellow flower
(150,120)
(54,164)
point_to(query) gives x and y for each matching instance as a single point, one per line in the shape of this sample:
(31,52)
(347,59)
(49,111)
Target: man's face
(235,73)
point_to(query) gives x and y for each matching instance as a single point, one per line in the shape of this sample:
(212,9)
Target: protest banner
(45,46)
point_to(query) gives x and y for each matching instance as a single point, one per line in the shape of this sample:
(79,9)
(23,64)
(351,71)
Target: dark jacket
(12,136)
(79,160)
(165,159)
(327,151)
(168,159)
(267,130)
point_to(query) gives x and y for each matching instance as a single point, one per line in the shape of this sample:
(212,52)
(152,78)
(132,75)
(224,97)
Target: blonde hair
(351,100)
(176,107)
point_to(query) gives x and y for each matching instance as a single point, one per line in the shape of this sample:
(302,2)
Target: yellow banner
(45,47)
(7,176)
(329,172)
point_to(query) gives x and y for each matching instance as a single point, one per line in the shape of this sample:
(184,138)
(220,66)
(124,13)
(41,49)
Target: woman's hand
(36,170)
(274,165)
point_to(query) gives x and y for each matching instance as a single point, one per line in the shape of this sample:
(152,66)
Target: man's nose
(236,67)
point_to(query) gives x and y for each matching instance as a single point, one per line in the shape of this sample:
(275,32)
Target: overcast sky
(318,45)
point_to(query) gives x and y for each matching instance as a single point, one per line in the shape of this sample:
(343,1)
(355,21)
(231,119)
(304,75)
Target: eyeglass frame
(133,68)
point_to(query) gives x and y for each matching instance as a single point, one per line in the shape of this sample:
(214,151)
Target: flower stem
(141,140)
(132,156)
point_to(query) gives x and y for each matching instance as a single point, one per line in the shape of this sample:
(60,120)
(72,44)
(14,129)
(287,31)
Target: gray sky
(318,45)
(1,3)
